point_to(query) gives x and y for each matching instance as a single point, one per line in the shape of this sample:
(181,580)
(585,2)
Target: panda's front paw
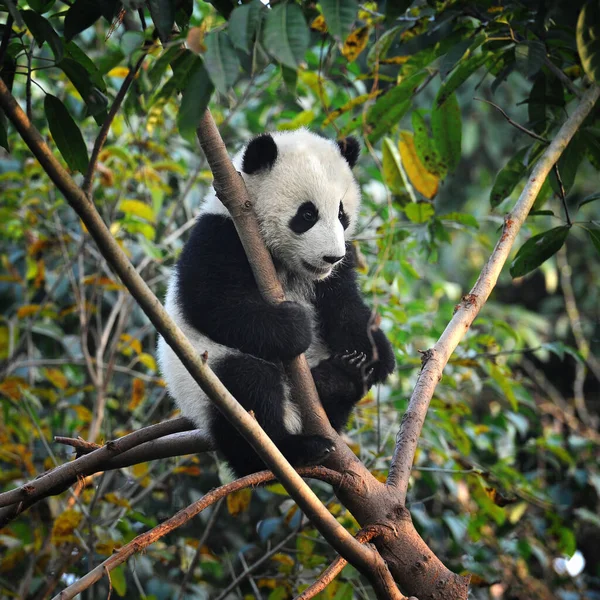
(355,366)
(296,329)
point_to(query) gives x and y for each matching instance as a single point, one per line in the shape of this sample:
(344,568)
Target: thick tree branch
(232,192)
(435,359)
(363,558)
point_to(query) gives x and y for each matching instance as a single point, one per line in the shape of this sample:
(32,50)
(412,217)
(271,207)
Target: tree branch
(365,559)
(435,359)
(88,180)
(231,190)
(335,568)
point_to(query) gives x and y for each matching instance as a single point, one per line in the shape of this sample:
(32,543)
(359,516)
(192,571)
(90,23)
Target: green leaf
(77,54)
(286,34)
(537,250)
(94,99)
(590,139)
(339,16)
(530,57)
(163,17)
(588,39)
(392,173)
(462,72)
(244,23)
(194,101)
(118,581)
(222,62)
(590,198)
(419,212)
(66,134)
(508,177)
(447,131)
(595,237)
(42,31)
(181,67)
(391,107)
(159,67)
(81,15)
(41,6)
(449,60)
(425,146)
(462,218)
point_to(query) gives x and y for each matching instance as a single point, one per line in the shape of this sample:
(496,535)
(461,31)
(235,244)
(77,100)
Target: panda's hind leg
(259,386)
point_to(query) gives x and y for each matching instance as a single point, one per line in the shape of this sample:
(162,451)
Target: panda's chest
(317,351)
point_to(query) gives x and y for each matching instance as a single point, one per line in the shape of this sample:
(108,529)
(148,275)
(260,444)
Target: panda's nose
(332,259)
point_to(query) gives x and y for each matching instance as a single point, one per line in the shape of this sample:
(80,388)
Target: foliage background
(506,482)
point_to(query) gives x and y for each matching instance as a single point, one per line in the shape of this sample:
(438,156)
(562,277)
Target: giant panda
(306,200)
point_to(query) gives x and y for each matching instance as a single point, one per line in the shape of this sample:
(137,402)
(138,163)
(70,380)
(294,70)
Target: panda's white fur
(309,168)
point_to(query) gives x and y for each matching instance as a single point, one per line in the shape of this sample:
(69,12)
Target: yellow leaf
(284,559)
(4,341)
(106,548)
(423,181)
(84,414)
(64,526)
(195,39)
(305,117)
(27,310)
(148,361)
(105,282)
(189,470)
(138,392)
(117,500)
(394,60)
(239,501)
(119,72)
(319,24)
(140,469)
(349,106)
(11,387)
(356,42)
(57,378)
(138,208)
(129,344)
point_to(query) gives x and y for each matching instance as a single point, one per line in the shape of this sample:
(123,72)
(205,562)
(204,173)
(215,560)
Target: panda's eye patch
(343,217)
(306,216)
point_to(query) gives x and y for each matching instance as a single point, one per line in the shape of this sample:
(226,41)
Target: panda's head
(305,197)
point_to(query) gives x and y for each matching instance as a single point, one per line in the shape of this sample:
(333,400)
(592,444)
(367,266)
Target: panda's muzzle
(319,271)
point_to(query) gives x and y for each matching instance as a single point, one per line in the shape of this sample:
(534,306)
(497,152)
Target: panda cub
(306,200)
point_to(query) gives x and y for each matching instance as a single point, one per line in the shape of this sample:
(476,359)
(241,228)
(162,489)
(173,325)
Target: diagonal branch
(435,360)
(232,192)
(183,516)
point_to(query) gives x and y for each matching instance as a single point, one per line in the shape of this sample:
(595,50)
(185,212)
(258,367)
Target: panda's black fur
(214,298)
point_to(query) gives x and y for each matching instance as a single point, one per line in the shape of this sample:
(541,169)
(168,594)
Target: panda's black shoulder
(212,258)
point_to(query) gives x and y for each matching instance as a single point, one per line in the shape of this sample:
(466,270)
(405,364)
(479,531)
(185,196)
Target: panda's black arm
(345,319)
(218,295)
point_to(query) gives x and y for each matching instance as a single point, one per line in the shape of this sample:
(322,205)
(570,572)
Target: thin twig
(335,568)
(207,530)
(562,195)
(103,134)
(248,570)
(81,466)
(514,123)
(183,516)
(562,77)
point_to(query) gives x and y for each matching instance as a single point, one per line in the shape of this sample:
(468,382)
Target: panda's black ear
(260,154)
(350,149)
